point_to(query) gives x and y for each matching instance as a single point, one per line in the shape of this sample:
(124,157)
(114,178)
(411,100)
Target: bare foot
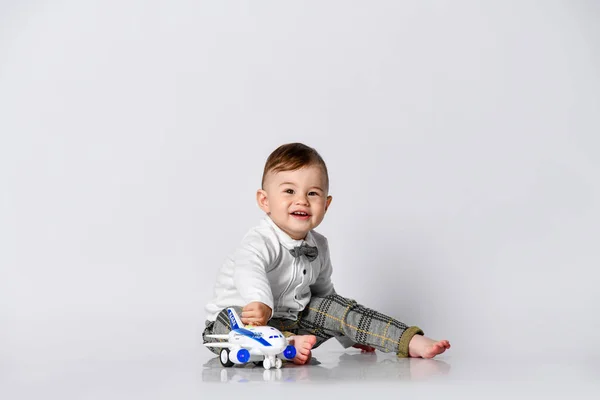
(422,346)
(303,344)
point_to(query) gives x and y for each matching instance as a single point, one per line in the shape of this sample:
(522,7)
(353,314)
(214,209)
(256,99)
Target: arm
(251,261)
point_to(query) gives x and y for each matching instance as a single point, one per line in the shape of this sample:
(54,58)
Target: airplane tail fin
(234,320)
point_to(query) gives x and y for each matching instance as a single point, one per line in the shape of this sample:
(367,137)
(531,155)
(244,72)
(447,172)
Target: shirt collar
(285,239)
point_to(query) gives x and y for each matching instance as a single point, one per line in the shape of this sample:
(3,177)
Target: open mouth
(300,214)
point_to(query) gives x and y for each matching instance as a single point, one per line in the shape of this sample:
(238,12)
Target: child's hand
(256,313)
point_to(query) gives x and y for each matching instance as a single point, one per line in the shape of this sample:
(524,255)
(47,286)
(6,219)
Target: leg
(337,316)
(218,327)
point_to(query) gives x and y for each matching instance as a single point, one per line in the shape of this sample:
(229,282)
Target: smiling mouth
(300,214)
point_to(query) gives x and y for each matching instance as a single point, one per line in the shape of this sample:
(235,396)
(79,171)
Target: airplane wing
(225,345)
(218,344)
(217,336)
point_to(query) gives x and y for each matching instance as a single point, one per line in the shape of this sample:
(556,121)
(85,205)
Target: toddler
(280,274)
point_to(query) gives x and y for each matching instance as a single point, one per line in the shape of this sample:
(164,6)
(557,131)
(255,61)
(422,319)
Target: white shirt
(263,269)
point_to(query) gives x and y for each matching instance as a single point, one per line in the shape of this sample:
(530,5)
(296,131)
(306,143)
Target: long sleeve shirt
(262,269)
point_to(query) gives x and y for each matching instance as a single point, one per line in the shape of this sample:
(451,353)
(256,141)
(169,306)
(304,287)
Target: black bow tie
(309,251)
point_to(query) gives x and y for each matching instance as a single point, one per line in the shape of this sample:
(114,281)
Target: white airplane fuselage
(260,340)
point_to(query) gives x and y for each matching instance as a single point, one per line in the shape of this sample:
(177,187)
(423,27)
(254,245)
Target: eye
(313,193)
(289,191)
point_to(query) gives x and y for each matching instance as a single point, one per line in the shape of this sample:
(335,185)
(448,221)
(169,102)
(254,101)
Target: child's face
(295,200)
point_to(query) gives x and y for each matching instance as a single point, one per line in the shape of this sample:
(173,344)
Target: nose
(302,199)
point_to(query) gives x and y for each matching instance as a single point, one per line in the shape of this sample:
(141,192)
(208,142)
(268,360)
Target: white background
(461,139)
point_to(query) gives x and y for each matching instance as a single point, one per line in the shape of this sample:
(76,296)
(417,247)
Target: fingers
(254,321)
(253,318)
(254,306)
(255,313)
(248,314)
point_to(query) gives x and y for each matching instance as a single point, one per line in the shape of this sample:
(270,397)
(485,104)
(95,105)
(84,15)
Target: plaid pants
(334,316)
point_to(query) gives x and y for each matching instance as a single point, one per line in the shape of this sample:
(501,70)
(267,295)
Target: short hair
(293,156)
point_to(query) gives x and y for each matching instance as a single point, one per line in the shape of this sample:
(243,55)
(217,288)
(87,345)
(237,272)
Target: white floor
(348,372)
(118,363)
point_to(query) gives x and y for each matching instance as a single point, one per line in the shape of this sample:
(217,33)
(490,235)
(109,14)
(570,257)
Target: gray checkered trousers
(334,316)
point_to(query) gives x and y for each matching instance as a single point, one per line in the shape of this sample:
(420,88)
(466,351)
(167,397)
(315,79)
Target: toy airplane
(252,344)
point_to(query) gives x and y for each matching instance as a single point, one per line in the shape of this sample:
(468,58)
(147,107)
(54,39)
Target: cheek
(318,204)
(283,205)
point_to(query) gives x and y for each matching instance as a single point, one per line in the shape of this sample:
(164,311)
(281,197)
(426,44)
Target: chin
(300,234)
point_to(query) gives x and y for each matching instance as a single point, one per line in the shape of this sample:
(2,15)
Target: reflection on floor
(335,372)
(117,367)
(332,367)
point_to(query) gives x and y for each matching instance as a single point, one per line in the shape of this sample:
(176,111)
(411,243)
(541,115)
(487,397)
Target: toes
(309,342)
(301,359)
(443,344)
(435,349)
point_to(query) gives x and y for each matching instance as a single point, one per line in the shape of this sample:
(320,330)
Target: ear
(329,198)
(263,200)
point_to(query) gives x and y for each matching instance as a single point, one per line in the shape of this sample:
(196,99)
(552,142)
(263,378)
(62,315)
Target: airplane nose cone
(279,344)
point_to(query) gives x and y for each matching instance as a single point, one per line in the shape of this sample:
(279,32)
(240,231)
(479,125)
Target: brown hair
(293,156)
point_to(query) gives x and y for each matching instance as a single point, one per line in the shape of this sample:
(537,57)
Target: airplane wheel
(267,363)
(278,363)
(224,358)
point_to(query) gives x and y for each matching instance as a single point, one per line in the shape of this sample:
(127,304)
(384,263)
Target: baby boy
(280,274)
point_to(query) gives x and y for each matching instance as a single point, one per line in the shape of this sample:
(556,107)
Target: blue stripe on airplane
(252,335)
